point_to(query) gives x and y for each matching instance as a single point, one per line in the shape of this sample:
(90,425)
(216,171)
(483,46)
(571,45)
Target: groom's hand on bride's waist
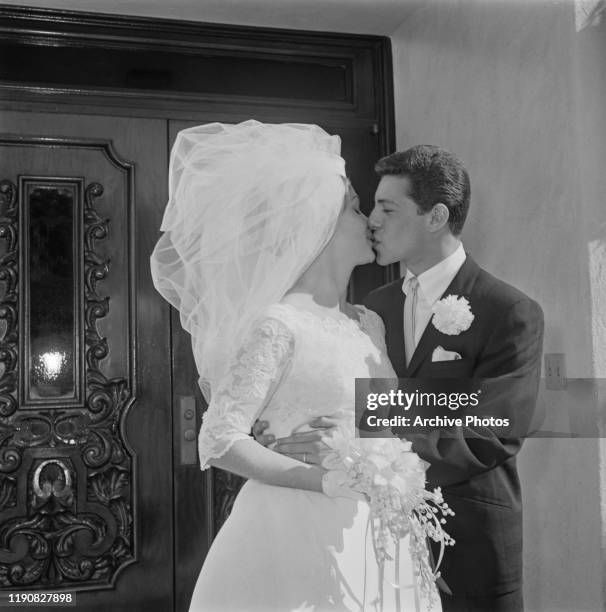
(258,432)
(306,446)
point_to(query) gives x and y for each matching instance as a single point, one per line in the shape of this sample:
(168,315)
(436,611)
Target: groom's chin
(381,259)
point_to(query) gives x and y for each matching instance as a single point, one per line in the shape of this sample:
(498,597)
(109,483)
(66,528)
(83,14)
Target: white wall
(519,97)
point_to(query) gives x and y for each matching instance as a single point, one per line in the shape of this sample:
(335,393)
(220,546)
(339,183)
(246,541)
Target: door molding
(68,502)
(163,64)
(172,69)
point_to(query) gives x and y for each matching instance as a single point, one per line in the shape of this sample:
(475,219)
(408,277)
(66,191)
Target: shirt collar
(434,282)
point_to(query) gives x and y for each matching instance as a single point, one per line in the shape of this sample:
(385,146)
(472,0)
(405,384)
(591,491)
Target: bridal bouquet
(392,478)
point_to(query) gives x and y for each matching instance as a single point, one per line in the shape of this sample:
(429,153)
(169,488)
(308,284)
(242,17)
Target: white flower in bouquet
(392,478)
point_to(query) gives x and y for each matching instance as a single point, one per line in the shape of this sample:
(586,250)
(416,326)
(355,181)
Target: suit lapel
(461,285)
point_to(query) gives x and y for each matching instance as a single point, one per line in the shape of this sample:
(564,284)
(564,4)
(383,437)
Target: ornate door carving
(70,490)
(66,512)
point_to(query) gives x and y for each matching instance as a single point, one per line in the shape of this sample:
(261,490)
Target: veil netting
(251,205)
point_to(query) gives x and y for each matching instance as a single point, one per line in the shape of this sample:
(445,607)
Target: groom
(421,204)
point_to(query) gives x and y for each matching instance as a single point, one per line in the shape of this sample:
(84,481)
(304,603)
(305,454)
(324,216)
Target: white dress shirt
(431,286)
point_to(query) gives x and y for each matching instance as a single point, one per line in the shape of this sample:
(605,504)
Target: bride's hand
(309,446)
(334,484)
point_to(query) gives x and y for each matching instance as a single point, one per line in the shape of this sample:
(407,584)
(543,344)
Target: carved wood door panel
(86,489)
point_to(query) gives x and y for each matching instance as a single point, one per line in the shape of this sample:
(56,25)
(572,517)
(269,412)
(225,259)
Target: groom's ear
(438,217)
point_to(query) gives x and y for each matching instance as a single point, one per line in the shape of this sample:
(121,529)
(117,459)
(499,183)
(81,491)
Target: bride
(261,234)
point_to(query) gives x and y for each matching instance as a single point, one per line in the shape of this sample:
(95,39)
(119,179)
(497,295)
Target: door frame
(362,103)
(131,88)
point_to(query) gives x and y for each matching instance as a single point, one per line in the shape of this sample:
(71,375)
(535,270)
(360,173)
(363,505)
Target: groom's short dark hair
(435,175)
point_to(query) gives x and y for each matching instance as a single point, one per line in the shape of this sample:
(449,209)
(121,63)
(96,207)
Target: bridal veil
(250,207)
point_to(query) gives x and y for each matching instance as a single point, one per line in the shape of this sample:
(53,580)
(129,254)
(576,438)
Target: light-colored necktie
(411,289)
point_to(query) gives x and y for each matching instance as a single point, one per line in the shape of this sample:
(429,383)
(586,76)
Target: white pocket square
(440,354)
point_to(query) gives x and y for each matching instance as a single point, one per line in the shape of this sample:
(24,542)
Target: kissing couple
(260,236)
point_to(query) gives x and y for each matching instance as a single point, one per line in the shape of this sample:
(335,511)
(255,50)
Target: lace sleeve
(244,391)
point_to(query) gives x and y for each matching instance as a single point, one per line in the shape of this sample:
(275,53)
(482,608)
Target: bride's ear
(349,191)
(438,217)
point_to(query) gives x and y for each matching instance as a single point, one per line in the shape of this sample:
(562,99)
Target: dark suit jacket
(476,470)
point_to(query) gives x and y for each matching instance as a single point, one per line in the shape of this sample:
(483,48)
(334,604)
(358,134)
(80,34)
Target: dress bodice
(293,366)
(329,354)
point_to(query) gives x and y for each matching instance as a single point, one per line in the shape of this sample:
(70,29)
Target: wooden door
(197,513)
(109,458)
(204,500)
(86,487)
(169,509)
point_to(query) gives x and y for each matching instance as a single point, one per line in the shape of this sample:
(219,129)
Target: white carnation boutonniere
(452,315)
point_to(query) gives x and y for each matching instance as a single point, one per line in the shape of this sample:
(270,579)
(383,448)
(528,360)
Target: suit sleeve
(511,358)
(372,301)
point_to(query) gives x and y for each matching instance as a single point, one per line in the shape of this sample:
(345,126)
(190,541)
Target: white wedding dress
(285,549)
